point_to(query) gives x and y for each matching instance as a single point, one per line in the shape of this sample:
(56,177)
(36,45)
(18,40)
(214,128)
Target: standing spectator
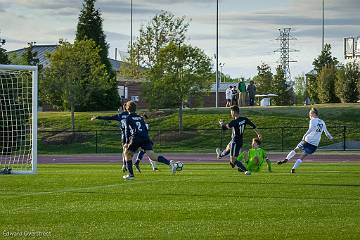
(228,96)
(252,91)
(234,101)
(242,93)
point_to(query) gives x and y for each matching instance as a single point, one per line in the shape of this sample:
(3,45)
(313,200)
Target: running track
(189,157)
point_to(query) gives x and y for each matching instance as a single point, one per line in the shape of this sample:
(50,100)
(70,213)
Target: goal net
(18,119)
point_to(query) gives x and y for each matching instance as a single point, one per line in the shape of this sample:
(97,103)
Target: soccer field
(204,201)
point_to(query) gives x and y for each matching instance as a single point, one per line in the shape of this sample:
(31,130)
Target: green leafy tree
(29,57)
(90,27)
(312,86)
(324,59)
(263,80)
(326,85)
(4,59)
(181,71)
(163,29)
(300,89)
(347,79)
(78,80)
(280,88)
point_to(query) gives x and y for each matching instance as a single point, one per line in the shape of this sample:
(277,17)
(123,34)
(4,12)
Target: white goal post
(18,119)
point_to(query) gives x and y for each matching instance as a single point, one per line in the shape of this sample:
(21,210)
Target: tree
(181,71)
(280,88)
(77,80)
(326,85)
(90,27)
(163,29)
(3,56)
(324,59)
(312,86)
(263,79)
(347,79)
(300,89)
(29,57)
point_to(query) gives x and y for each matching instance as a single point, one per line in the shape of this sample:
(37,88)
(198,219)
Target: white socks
(153,164)
(297,164)
(290,155)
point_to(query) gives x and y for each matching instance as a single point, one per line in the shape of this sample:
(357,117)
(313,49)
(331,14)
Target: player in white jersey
(310,140)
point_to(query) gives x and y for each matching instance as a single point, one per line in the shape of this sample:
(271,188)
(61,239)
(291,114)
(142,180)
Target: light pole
(323,23)
(131,26)
(217,54)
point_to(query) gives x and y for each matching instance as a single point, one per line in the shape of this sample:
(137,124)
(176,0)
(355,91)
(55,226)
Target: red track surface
(186,157)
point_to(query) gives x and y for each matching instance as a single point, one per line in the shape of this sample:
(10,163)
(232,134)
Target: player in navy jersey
(141,154)
(120,117)
(237,125)
(136,136)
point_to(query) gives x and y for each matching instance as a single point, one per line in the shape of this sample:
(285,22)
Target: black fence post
(96,141)
(282,139)
(344,138)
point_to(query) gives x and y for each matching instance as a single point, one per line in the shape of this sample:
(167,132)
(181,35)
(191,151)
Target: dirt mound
(67,137)
(174,136)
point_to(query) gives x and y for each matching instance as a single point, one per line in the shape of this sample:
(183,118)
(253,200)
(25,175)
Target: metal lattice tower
(285,50)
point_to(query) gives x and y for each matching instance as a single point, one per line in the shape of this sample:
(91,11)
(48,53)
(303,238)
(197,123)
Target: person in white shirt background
(228,96)
(310,140)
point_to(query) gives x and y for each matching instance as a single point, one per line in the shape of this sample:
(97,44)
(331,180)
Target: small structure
(265,101)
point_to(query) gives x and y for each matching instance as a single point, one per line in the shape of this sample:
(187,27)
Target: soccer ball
(179,166)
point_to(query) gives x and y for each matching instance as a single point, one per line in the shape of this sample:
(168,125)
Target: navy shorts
(307,147)
(235,148)
(136,143)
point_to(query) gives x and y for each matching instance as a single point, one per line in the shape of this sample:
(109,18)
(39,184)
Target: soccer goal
(18,119)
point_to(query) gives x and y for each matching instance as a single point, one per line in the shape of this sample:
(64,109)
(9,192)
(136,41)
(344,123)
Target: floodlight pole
(323,23)
(217,54)
(131,26)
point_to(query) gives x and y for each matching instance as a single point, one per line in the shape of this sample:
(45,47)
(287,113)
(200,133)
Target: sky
(247,29)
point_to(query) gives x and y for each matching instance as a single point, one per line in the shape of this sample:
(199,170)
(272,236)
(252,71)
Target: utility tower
(285,50)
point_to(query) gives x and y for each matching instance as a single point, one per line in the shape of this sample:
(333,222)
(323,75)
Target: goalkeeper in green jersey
(256,158)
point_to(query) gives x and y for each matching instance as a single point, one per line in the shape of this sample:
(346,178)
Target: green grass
(205,201)
(293,120)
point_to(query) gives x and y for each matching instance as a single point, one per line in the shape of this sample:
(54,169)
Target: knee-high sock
(153,164)
(123,160)
(225,153)
(297,164)
(129,167)
(240,165)
(140,155)
(163,160)
(290,155)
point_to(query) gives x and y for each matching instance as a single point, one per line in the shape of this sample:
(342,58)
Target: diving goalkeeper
(256,158)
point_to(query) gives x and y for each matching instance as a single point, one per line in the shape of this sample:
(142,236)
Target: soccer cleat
(232,164)
(282,162)
(218,153)
(137,165)
(248,173)
(155,169)
(129,177)
(123,168)
(292,170)
(173,167)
